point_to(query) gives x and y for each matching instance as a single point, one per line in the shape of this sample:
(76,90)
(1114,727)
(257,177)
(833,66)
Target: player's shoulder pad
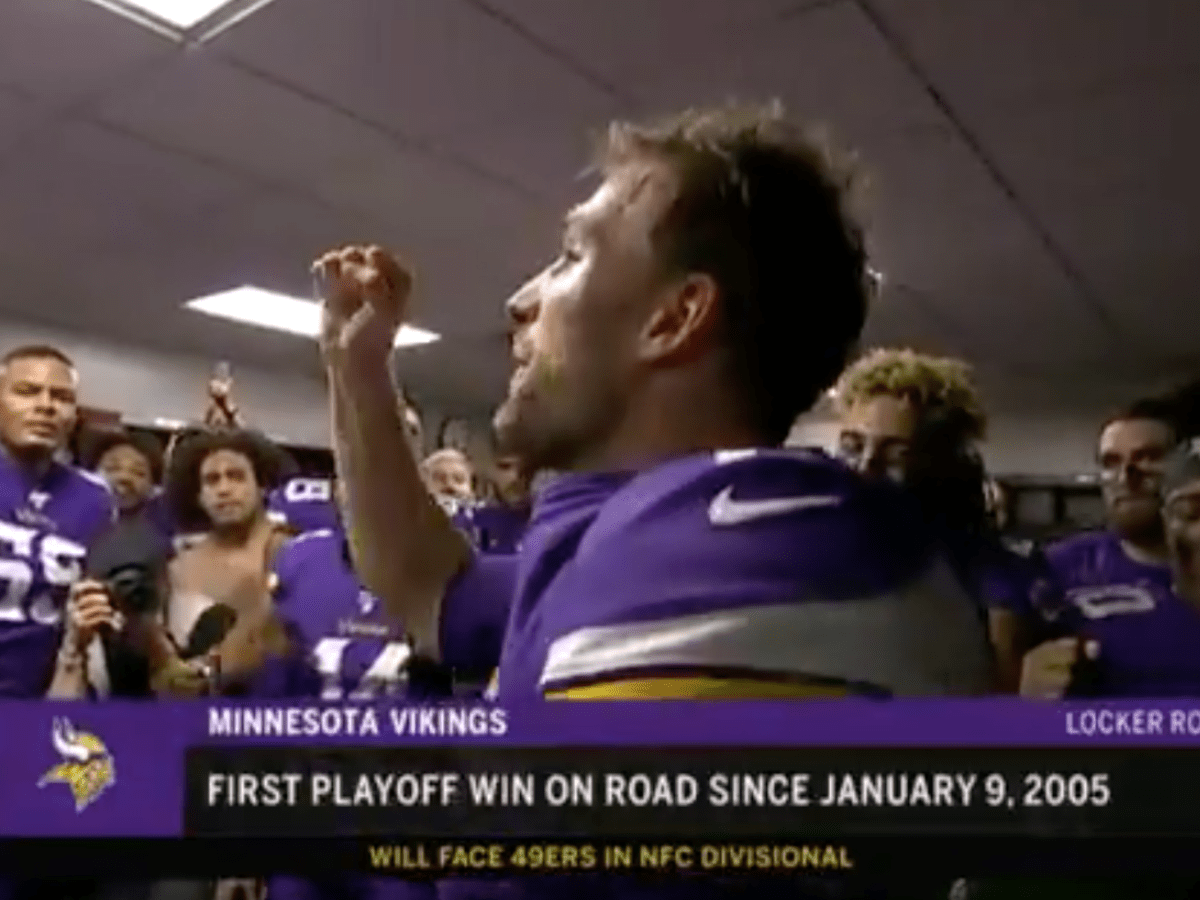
(782,562)
(773,500)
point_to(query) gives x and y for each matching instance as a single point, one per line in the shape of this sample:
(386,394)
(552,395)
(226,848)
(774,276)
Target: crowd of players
(709,292)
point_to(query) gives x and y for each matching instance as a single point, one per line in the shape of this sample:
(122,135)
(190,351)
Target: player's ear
(683,319)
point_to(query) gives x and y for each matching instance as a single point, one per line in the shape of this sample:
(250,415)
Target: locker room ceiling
(1035,198)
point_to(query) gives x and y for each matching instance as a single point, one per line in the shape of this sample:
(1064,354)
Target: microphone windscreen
(210,629)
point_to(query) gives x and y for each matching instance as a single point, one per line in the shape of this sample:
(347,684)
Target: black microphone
(1087,674)
(209,630)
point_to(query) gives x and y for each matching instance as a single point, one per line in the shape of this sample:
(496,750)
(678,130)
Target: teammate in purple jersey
(707,294)
(49,514)
(358,655)
(1118,628)
(305,504)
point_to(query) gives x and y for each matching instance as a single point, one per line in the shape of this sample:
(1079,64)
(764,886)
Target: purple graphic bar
(143,744)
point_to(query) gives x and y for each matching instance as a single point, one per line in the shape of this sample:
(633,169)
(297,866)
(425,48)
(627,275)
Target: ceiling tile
(984,53)
(548,158)
(1072,149)
(430,196)
(215,112)
(66,50)
(925,190)
(92,186)
(623,39)
(1016,306)
(412,66)
(828,65)
(903,318)
(18,117)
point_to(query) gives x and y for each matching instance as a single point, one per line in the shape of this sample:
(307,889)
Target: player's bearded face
(229,491)
(575,327)
(1131,454)
(37,403)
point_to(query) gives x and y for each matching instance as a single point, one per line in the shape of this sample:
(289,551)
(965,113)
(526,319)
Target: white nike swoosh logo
(724,510)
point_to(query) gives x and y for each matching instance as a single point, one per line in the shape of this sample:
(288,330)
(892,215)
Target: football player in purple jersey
(666,329)
(49,514)
(915,419)
(705,295)
(497,526)
(355,653)
(1118,627)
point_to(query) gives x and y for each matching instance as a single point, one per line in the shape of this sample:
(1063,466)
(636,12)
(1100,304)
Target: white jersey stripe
(926,639)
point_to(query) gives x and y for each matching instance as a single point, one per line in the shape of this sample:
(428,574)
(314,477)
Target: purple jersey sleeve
(475,611)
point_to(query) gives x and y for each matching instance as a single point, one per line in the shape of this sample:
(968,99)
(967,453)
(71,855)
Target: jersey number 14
(385,676)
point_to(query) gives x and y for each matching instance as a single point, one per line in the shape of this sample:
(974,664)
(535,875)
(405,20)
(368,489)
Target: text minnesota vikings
(357,721)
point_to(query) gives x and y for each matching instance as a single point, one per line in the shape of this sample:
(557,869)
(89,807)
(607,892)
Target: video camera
(130,559)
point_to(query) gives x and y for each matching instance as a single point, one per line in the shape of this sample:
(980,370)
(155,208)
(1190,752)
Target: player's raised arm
(405,548)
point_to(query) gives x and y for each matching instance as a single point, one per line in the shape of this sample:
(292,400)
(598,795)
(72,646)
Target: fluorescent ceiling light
(279,312)
(186,21)
(181,14)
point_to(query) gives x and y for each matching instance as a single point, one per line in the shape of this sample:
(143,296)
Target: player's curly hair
(96,443)
(763,208)
(932,384)
(182,488)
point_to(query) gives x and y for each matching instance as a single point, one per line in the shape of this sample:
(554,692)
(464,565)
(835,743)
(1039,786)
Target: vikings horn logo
(87,767)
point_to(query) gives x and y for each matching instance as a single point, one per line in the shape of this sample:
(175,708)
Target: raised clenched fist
(364,292)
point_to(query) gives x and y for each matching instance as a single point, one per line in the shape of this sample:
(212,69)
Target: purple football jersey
(780,563)
(46,525)
(1149,638)
(494,527)
(305,504)
(358,651)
